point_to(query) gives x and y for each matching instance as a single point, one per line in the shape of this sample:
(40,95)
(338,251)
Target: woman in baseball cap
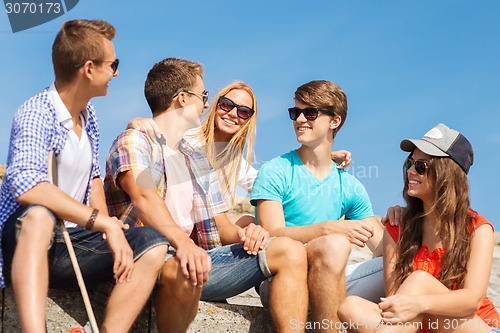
(437,262)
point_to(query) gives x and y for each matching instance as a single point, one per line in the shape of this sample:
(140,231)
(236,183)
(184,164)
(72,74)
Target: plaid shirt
(35,132)
(133,150)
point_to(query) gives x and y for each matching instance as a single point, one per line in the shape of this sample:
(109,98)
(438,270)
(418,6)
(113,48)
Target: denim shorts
(495,329)
(366,279)
(234,271)
(94,256)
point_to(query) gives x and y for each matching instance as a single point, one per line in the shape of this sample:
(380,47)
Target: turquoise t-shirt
(306,200)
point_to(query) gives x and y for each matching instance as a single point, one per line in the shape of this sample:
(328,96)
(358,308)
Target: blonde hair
(226,156)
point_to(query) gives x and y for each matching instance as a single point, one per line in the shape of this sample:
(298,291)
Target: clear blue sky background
(405,66)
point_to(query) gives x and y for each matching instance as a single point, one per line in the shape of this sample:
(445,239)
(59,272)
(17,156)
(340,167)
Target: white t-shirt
(246,177)
(74,163)
(179,185)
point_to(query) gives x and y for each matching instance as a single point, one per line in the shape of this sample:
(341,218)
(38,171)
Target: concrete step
(66,310)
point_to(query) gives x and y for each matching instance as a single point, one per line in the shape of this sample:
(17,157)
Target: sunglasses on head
(309,113)
(420,166)
(226,105)
(114,64)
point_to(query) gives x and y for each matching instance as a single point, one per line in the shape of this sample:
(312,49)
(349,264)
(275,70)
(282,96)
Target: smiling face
(418,185)
(314,132)
(228,123)
(102,71)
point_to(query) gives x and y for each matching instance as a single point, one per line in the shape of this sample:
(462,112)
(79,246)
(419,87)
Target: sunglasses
(226,105)
(114,64)
(420,166)
(309,113)
(203,95)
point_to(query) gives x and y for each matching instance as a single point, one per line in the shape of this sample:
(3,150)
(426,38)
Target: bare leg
(177,300)
(359,315)
(286,259)
(327,258)
(128,298)
(30,272)
(422,283)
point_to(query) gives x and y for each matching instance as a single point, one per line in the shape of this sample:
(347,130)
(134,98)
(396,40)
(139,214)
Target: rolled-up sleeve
(31,141)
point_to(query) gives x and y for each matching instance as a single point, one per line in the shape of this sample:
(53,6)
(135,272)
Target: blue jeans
(366,279)
(495,329)
(94,256)
(234,271)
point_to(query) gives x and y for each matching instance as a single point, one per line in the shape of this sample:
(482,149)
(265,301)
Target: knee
(287,252)
(349,308)
(173,281)
(38,223)
(155,257)
(419,282)
(329,253)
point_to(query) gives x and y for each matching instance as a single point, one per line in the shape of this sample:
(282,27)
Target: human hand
(254,238)
(342,158)
(394,216)
(123,256)
(120,223)
(358,232)
(196,264)
(145,125)
(399,308)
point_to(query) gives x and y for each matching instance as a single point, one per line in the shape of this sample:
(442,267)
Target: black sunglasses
(309,113)
(420,166)
(244,112)
(114,64)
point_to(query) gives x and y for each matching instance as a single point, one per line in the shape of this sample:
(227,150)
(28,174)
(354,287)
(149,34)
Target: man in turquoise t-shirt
(303,195)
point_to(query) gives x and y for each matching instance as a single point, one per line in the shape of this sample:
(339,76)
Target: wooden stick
(79,277)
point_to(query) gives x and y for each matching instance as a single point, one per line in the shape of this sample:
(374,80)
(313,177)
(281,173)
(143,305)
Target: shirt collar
(62,112)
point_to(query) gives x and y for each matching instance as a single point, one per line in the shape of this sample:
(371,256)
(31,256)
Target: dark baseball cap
(442,141)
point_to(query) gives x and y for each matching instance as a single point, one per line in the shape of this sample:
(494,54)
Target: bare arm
(254,237)
(375,243)
(152,211)
(97,196)
(358,232)
(69,209)
(389,258)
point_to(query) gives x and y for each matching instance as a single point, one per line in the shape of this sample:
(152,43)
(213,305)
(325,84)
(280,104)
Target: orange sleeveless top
(431,263)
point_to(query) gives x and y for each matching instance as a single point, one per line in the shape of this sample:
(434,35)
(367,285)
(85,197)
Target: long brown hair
(226,157)
(450,206)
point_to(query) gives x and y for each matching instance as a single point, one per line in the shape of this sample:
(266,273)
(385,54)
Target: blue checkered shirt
(35,132)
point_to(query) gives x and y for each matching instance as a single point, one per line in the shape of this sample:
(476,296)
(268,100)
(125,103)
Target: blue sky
(404,65)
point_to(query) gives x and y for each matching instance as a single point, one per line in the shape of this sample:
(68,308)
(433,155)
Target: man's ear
(181,99)
(87,69)
(335,122)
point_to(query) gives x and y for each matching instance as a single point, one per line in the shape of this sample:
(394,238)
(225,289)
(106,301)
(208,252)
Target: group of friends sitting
(158,219)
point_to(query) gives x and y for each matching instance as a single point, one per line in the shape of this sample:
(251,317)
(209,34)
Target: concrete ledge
(65,310)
